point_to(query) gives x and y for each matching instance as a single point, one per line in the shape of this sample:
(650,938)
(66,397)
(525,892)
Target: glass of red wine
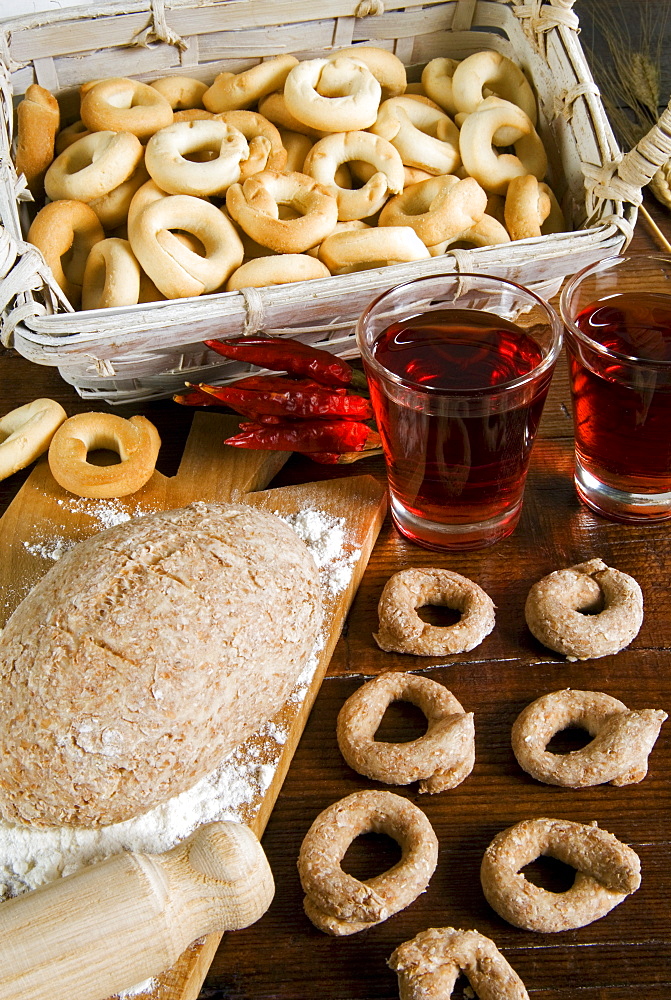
(459,366)
(617,316)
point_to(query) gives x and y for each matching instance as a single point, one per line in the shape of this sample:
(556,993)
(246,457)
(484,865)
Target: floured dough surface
(145,655)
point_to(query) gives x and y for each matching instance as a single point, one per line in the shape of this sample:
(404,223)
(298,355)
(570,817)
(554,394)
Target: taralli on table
(255,206)
(235,91)
(329,153)
(491,169)
(38,120)
(442,208)
(123,105)
(359,250)
(136,441)
(168,157)
(176,269)
(561,608)
(403,631)
(439,760)
(340,904)
(66,231)
(429,965)
(93,165)
(332,95)
(278,269)
(619,749)
(111,276)
(607,872)
(26,432)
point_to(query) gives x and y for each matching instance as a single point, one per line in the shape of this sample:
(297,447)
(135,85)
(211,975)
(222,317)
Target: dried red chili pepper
(335,436)
(194,397)
(292,402)
(291,356)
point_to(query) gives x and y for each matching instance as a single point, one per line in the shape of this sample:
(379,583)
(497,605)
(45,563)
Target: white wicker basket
(148,351)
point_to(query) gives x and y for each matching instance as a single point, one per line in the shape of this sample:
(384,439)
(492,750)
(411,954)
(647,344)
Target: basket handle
(639,166)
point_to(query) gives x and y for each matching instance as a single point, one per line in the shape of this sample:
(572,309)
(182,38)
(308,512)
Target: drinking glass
(459,366)
(617,316)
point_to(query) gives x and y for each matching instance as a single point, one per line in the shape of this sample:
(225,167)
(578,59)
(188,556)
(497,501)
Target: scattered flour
(30,856)
(106,514)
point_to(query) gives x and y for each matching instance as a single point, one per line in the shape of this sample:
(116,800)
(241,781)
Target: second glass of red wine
(459,366)
(617,315)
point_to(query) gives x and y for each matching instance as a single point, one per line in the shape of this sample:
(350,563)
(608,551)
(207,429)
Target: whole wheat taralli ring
(607,872)
(135,440)
(619,749)
(340,904)
(440,759)
(586,611)
(428,966)
(25,433)
(403,631)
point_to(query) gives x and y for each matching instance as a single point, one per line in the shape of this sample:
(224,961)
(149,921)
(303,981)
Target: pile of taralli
(429,965)
(290,171)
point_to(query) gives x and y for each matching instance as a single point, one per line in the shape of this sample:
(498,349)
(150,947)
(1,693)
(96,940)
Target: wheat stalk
(630,82)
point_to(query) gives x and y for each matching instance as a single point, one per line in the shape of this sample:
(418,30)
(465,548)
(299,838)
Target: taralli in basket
(332,151)
(438,209)
(437,82)
(527,207)
(222,146)
(93,166)
(234,91)
(488,232)
(332,95)
(619,749)
(561,608)
(181,92)
(424,136)
(440,759)
(429,965)
(266,149)
(274,108)
(386,67)
(136,441)
(111,276)
(277,269)
(112,208)
(123,105)
(340,904)
(255,206)
(297,145)
(491,169)
(175,269)
(363,249)
(38,120)
(403,631)
(70,134)
(607,872)
(485,73)
(66,230)
(26,432)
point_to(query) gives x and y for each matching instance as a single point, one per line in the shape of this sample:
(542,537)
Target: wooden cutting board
(43,519)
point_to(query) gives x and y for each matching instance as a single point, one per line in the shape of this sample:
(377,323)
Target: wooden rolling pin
(112,925)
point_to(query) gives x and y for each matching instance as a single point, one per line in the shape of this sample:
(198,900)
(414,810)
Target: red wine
(457,450)
(622,413)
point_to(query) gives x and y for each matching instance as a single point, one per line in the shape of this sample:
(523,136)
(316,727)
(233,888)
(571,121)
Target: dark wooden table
(625,954)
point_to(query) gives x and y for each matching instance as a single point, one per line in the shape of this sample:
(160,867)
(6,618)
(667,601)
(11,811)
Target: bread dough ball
(145,655)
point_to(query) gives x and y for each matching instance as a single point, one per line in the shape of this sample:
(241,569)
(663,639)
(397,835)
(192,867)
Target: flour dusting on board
(30,857)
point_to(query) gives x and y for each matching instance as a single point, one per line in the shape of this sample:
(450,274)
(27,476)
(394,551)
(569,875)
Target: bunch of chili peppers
(310,409)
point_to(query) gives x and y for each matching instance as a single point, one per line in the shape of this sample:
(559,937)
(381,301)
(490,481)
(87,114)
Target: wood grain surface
(627,953)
